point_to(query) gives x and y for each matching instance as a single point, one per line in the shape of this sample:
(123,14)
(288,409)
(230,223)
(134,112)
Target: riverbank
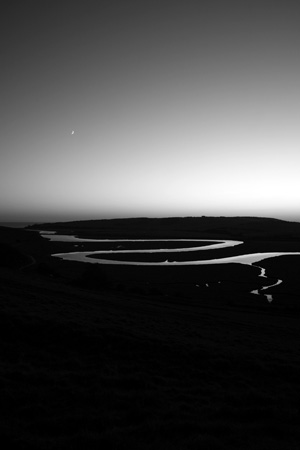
(107,366)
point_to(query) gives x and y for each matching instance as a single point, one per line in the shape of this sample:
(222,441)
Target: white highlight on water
(248,259)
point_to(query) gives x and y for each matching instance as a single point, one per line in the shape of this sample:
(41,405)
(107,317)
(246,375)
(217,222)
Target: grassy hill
(112,368)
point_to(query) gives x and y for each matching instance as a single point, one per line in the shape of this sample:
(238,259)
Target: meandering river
(89,256)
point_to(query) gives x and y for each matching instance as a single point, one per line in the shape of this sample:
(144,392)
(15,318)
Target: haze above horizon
(154,108)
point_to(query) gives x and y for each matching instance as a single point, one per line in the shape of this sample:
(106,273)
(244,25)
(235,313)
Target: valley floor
(111,366)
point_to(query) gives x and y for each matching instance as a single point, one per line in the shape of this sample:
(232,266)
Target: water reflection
(89,256)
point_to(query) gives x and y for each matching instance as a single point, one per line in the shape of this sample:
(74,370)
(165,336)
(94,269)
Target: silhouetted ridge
(179,227)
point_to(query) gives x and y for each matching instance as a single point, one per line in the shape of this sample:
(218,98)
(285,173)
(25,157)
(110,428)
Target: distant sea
(16,224)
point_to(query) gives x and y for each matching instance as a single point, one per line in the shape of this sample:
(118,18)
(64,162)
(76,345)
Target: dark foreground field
(89,361)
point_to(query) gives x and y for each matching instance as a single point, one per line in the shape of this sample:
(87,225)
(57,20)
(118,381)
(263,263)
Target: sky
(178,108)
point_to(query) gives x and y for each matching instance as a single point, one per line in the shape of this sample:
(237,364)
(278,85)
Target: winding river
(89,256)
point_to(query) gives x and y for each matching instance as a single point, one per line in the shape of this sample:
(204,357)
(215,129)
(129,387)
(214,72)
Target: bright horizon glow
(200,117)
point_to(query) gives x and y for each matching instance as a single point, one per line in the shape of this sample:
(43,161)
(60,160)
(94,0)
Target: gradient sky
(179,108)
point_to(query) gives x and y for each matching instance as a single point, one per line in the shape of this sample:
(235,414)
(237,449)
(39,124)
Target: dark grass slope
(180,227)
(105,368)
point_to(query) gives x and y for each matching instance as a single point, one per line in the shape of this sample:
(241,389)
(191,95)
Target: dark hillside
(204,227)
(112,367)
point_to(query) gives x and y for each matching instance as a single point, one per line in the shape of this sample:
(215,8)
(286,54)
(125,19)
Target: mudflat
(115,357)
